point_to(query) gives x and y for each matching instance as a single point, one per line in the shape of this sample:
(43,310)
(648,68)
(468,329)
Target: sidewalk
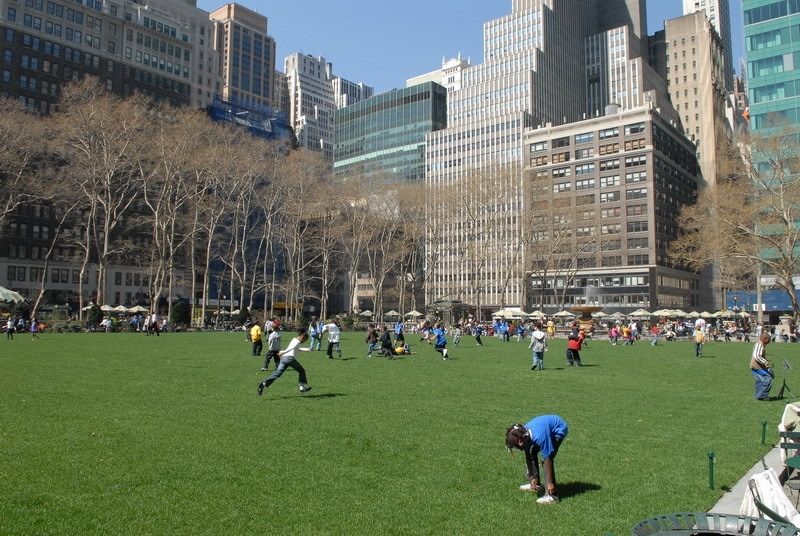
(731,502)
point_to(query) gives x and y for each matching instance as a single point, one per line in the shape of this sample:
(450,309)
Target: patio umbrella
(137,309)
(367,313)
(537,314)
(235,312)
(502,313)
(414,314)
(10,296)
(106,308)
(725,314)
(617,316)
(680,313)
(693,314)
(88,307)
(392,313)
(563,314)
(599,314)
(745,314)
(706,314)
(640,313)
(664,312)
(120,309)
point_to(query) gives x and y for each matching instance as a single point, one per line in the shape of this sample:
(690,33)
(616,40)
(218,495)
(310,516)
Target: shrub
(181,314)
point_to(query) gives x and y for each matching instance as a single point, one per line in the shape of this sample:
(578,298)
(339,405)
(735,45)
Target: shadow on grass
(317,395)
(573,489)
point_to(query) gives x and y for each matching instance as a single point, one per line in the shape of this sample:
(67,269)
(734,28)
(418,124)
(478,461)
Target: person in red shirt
(574,343)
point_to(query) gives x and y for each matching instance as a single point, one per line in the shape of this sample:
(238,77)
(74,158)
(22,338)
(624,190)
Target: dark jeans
(478,340)
(698,349)
(330,349)
(573,357)
(257,347)
(287,362)
(272,355)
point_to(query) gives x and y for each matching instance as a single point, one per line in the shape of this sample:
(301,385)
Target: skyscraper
(314,93)
(247,55)
(772,34)
(544,62)
(719,14)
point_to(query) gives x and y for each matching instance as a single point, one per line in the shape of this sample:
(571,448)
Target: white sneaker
(527,487)
(305,388)
(547,499)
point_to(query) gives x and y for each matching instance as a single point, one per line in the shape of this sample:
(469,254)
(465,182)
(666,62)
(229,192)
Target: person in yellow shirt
(255,337)
(699,339)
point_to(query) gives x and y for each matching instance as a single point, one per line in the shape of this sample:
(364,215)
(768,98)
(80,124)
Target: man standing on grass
(10,328)
(255,338)
(334,332)
(273,348)
(542,435)
(288,360)
(761,368)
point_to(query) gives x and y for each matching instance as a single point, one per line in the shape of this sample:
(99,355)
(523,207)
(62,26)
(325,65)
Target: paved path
(731,502)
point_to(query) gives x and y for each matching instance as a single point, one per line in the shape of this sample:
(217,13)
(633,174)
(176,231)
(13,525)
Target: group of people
(34,327)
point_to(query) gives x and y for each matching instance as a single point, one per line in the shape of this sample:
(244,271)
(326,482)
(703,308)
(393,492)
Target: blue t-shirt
(398,328)
(440,340)
(545,430)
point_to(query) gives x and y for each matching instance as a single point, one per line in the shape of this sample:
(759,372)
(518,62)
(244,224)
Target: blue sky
(381,43)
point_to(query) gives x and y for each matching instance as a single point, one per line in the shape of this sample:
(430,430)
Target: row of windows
(773,38)
(586,137)
(771,11)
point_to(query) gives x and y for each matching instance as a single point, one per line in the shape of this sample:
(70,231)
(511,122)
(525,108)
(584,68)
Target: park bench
(701,523)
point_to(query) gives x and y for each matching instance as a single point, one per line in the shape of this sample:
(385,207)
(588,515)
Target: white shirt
(293,345)
(699,324)
(333,332)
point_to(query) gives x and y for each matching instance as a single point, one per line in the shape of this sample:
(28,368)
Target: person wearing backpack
(538,346)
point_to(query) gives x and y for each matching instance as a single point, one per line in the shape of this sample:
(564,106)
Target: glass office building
(772,41)
(385,134)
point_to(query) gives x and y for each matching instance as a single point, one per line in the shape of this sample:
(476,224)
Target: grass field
(127,434)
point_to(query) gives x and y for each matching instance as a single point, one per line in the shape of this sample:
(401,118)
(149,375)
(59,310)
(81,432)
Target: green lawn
(127,434)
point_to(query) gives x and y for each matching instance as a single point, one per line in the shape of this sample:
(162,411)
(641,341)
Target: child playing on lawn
(699,340)
(441,341)
(288,360)
(542,435)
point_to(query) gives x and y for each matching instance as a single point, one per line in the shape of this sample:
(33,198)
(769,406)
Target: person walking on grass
(273,348)
(761,368)
(477,331)
(334,332)
(574,344)
(315,330)
(538,347)
(34,329)
(699,340)
(255,338)
(371,339)
(10,328)
(543,436)
(456,335)
(288,360)
(441,340)
(399,338)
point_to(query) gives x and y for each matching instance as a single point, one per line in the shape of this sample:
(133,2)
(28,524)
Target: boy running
(333,338)
(287,359)
(441,341)
(371,339)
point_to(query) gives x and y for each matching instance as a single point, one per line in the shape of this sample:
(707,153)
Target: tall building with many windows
(247,55)
(718,12)
(604,196)
(385,134)
(690,56)
(772,37)
(163,49)
(545,62)
(314,94)
(449,75)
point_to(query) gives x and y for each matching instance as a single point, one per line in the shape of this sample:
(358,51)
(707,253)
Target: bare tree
(749,218)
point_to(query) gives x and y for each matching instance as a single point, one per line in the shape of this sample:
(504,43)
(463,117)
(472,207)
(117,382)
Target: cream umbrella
(137,309)
(680,313)
(414,314)
(693,314)
(367,313)
(537,314)
(7,295)
(563,314)
(392,314)
(640,313)
(725,314)
(120,309)
(706,314)
(106,308)
(664,312)
(599,314)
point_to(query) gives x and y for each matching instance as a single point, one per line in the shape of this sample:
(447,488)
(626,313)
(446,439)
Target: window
(638,260)
(614,212)
(584,153)
(637,176)
(55,275)
(638,160)
(64,275)
(539,146)
(637,226)
(636,193)
(20,273)
(585,184)
(8,56)
(585,231)
(606,182)
(562,172)
(584,169)
(609,148)
(608,165)
(11,15)
(632,145)
(562,187)
(636,128)
(118,278)
(609,133)
(611,229)
(561,142)
(586,137)
(609,197)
